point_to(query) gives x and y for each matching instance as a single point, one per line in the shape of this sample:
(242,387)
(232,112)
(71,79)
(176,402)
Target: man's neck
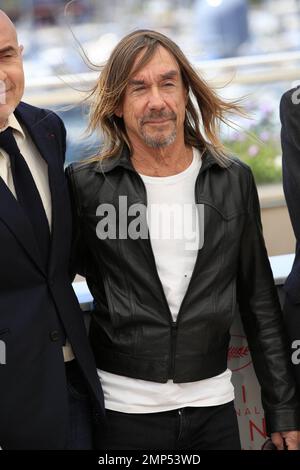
(162,162)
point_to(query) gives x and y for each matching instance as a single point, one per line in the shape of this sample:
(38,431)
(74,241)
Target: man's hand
(286,440)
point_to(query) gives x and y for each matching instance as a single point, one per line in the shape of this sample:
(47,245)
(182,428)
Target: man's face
(154,104)
(11,70)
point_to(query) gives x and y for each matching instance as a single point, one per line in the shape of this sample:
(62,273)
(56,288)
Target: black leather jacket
(132,332)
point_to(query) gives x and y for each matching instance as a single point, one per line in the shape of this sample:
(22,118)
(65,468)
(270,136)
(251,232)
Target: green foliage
(257,143)
(264,158)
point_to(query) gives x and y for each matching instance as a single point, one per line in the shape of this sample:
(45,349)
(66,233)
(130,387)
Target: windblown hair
(202,122)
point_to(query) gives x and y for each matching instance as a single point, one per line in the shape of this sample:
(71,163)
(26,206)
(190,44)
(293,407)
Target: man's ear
(119,111)
(21,49)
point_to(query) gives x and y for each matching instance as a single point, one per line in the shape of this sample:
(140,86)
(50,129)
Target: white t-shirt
(174,231)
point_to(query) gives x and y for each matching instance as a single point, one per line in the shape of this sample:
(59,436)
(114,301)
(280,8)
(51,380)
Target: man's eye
(139,88)
(169,84)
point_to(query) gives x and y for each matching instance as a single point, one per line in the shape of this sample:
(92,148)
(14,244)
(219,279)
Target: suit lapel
(10,210)
(16,220)
(45,143)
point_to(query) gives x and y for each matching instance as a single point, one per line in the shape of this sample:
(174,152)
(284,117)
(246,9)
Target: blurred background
(245,48)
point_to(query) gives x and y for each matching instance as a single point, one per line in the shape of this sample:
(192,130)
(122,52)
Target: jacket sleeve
(262,320)
(290,142)
(78,251)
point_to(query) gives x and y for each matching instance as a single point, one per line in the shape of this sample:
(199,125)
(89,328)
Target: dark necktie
(27,193)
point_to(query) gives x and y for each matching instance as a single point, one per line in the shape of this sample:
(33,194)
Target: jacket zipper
(173,324)
(152,256)
(173,349)
(196,261)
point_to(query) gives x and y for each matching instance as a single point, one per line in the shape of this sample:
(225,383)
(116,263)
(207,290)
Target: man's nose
(156,100)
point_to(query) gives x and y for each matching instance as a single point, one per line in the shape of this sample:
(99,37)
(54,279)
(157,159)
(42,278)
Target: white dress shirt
(39,171)
(37,165)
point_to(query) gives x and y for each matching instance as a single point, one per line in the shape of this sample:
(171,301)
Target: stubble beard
(159,141)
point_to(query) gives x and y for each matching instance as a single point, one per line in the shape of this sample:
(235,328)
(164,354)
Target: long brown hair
(201,126)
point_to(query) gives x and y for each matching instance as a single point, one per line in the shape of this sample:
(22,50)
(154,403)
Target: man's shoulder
(81,168)
(290,116)
(81,174)
(33,115)
(238,168)
(230,165)
(238,176)
(290,99)
(85,168)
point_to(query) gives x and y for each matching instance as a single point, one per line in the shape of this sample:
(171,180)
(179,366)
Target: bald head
(11,69)
(7,26)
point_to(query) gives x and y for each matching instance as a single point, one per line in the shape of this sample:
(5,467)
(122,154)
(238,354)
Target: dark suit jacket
(33,393)
(290,140)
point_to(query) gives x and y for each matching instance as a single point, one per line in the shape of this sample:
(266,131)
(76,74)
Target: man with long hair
(169,238)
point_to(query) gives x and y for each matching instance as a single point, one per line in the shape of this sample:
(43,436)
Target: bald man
(50,396)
